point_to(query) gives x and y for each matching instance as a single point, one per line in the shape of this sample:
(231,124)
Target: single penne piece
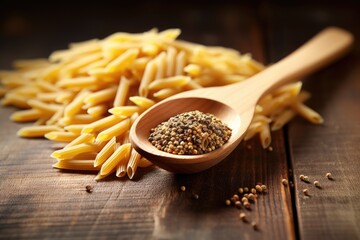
(81,62)
(149,49)
(75,128)
(78,82)
(161,66)
(75,106)
(61,136)
(79,119)
(120,155)
(70,152)
(41,121)
(102,124)
(170,61)
(47,97)
(166,92)
(100,177)
(97,64)
(121,170)
(37,131)
(98,110)
(15,100)
(265,136)
(47,86)
(142,102)
(180,63)
(114,131)
(56,116)
(193,70)
(64,97)
(292,88)
(105,152)
(124,111)
(170,82)
(253,129)
(101,96)
(79,165)
(83,138)
(46,108)
(282,119)
(122,61)
(143,163)
(148,77)
(26,115)
(307,113)
(133,118)
(133,163)
(122,92)
(279,101)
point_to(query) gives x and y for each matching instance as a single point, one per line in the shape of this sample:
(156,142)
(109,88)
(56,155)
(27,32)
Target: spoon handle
(324,48)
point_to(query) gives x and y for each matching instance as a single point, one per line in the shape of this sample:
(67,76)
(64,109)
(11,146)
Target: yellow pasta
(122,92)
(105,152)
(114,131)
(120,154)
(37,131)
(78,165)
(61,136)
(75,106)
(125,111)
(70,152)
(70,95)
(102,124)
(26,115)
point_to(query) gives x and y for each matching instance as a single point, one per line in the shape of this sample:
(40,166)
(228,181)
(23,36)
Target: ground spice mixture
(190,133)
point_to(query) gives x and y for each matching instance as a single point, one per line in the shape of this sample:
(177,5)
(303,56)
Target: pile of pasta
(88,95)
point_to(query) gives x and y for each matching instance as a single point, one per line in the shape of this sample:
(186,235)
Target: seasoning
(190,133)
(284,182)
(301,177)
(254,226)
(195,196)
(306,192)
(270,148)
(246,189)
(246,205)
(183,188)
(243,217)
(235,198)
(253,190)
(241,190)
(317,184)
(329,176)
(89,189)
(238,204)
(263,188)
(227,202)
(258,188)
(251,197)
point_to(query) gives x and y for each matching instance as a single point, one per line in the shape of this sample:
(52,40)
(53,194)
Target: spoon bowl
(234,104)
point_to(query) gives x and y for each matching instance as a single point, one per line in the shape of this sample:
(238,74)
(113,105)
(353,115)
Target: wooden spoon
(234,104)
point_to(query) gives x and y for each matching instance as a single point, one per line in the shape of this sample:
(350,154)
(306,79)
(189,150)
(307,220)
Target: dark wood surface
(39,202)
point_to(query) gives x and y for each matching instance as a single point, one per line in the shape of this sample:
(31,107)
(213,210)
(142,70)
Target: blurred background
(32,29)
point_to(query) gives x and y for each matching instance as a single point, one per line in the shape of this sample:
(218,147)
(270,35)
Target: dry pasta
(90,94)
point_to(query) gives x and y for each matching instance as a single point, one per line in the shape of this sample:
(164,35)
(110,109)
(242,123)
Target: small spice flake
(317,184)
(263,188)
(304,178)
(253,190)
(301,177)
(244,199)
(270,149)
(89,189)
(243,217)
(238,204)
(285,182)
(246,189)
(241,190)
(183,188)
(195,196)
(306,192)
(235,198)
(190,133)
(227,202)
(258,188)
(254,226)
(247,205)
(329,176)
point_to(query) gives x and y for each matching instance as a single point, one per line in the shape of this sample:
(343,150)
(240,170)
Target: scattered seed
(285,182)
(227,202)
(235,198)
(190,133)
(195,196)
(247,205)
(306,179)
(258,188)
(183,188)
(244,199)
(317,184)
(243,217)
(306,192)
(329,176)
(301,177)
(89,189)
(251,197)
(238,204)
(254,226)
(263,188)
(246,189)
(253,190)
(241,190)
(270,148)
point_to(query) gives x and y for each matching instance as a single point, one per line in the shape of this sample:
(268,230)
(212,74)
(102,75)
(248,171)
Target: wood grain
(329,212)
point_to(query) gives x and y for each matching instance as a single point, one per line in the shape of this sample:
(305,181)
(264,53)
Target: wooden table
(37,201)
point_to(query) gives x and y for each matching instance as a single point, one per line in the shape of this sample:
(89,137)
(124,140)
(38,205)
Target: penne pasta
(105,152)
(114,131)
(61,136)
(119,155)
(37,131)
